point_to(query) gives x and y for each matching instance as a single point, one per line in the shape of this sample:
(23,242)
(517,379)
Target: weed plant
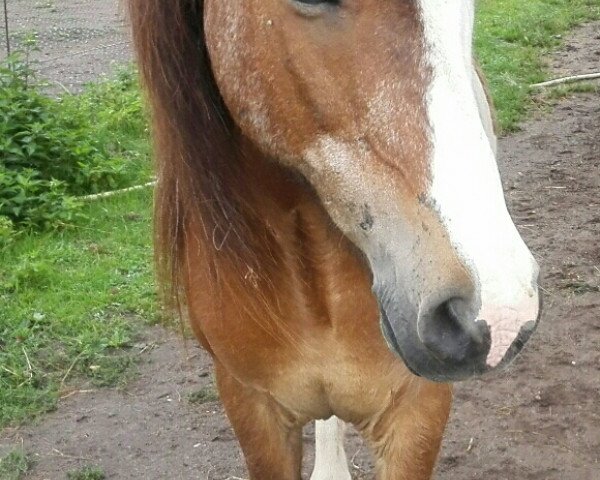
(14,465)
(87,473)
(53,149)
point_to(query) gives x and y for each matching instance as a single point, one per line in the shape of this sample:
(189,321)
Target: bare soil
(76,41)
(539,420)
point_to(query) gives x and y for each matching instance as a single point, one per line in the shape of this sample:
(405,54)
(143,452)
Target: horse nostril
(452,336)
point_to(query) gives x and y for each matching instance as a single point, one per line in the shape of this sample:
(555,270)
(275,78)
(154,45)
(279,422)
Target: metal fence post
(6,27)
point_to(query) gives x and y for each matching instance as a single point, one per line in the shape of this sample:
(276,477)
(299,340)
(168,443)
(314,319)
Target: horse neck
(299,248)
(280,202)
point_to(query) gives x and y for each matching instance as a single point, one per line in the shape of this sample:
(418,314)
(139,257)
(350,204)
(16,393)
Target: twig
(29,367)
(75,392)
(149,346)
(545,290)
(97,196)
(65,455)
(9,371)
(570,79)
(62,382)
(471,443)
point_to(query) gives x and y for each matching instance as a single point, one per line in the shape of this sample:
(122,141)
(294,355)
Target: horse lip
(391,340)
(526,332)
(432,374)
(518,343)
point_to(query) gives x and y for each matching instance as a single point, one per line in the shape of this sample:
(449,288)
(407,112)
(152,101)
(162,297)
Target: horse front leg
(330,458)
(271,439)
(406,437)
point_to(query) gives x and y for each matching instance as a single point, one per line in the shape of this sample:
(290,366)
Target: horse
(329,217)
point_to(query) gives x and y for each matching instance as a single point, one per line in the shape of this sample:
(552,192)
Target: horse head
(378,104)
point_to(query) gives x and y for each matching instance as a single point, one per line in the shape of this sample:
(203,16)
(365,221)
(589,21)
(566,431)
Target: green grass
(511,39)
(14,465)
(204,395)
(72,303)
(87,473)
(562,91)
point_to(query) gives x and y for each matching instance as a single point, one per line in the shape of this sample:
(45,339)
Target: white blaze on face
(466,188)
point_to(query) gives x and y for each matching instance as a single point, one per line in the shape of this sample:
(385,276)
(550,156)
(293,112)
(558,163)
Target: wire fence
(70,42)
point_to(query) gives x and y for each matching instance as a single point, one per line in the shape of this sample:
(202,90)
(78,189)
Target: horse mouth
(391,340)
(421,363)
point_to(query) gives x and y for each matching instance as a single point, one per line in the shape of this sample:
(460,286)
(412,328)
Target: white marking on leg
(330,458)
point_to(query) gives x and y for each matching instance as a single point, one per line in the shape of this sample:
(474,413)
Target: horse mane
(197,151)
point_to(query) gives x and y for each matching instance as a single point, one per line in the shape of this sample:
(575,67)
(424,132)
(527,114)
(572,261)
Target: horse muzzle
(443,348)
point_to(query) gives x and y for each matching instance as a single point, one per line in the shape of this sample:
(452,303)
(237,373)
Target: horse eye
(314,8)
(318,2)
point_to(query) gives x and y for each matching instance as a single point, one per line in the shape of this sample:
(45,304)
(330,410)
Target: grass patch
(14,465)
(87,473)
(72,302)
(562,91)
(511,38)
(204,395)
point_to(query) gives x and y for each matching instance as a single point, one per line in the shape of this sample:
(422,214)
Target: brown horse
(329,214)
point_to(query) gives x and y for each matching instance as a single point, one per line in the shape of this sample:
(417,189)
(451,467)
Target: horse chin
(420,361)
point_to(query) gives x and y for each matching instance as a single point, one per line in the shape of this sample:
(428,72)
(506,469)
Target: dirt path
(539,420)
(76,41)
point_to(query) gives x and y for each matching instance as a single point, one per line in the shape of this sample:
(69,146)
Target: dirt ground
(76,41)
(539,420)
